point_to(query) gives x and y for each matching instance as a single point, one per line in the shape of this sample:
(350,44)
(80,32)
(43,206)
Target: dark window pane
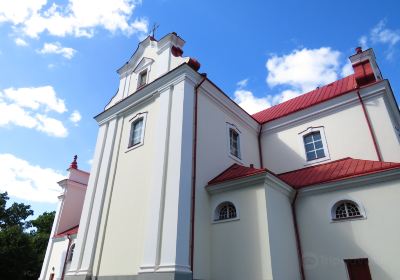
(311,156)
(309,147)
(308,138)
(316,136)
(320,153)
(318,144)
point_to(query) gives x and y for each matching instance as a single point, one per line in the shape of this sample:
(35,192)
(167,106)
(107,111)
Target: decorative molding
(181,73)
(274,182)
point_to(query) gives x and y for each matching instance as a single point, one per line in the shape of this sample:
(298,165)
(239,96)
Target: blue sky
(58,62)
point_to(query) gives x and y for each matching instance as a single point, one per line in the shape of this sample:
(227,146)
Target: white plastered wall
(384,124)
(240,248)
(119,249)
(57,258)
(282,237)
(346,131)
(325,243)
(212,158)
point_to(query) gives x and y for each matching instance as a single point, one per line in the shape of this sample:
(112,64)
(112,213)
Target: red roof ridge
(341,169)
(316,96)
(236,171)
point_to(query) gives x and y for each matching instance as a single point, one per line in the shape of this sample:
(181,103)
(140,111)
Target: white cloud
(303,69)
(75,117)
(76,17)
(35,97)
(56,48)
(29,108)
(293,74)
(380,34)
(20,42)
(347,69)
(249,102)
(363,41)
(26,181)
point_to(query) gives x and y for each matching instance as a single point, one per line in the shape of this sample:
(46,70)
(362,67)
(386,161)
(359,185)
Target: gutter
(66,256)
(371,130)
(194,164)
(296,231)
(259,147)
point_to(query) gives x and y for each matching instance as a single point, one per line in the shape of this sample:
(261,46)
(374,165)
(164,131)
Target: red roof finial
(74,163)
(358,50)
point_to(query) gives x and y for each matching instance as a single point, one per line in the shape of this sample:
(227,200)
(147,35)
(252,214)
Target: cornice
(360,181)
(223,102)
(234,184)
(279,185)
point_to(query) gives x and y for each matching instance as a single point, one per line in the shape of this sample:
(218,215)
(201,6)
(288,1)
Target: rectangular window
(136,132)
(234,142)
(358,269)
(142,78)
(314,146)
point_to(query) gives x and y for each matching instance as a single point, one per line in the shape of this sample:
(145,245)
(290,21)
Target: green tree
(22,252)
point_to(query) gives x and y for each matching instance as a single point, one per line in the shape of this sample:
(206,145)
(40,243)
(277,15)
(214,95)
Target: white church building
(186,185)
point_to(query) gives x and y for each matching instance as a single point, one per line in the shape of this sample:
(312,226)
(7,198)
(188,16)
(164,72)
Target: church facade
(186,185)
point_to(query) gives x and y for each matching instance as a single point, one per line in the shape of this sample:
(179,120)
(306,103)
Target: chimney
(366,69)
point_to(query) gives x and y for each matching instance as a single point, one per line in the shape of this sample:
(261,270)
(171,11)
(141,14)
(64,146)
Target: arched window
(346,210)
(225,211)
(71,252)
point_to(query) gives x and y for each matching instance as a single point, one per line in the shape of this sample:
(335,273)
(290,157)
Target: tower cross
(153,30)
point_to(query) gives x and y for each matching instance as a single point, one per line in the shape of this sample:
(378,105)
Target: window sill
(134,147)
(239,160)
(225,221)
(318,160)
(348,219)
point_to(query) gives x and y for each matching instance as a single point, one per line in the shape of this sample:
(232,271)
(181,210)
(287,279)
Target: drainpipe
(66,256)
(296,231)
(194,162)
(371,131)
(259,147)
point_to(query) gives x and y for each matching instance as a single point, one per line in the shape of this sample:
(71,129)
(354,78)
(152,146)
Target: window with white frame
(346,209)
(225,211)
(142,80)
(234,141)
(137,130)
(314,143)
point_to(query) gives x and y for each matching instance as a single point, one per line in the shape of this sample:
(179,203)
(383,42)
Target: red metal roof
(71,231)
(306,100)
(334,171)
(236,171)
(317,174)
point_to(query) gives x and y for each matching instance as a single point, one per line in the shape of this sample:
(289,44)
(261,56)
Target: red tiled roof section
(334,171)
(71,231)
(236,171)
(309,99)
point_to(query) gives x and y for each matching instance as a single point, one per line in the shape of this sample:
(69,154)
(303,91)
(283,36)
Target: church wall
(120,249)
(57,258)
(212,158)
(282,237)
(384,128)
(377,237)
(240,248)
(346,131)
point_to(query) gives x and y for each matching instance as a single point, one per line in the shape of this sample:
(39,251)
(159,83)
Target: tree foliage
(22,252)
